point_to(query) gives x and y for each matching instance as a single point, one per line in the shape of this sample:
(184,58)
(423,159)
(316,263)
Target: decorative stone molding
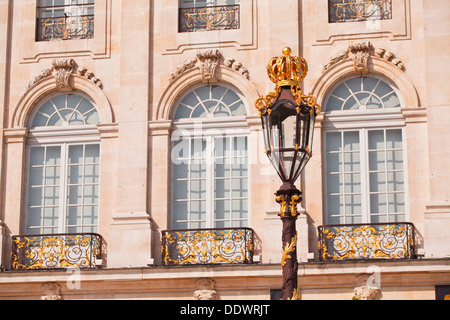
(367,293)
(63,70)
(366,286)
(52,291)
(205,289)
(237,66)
(360,52)
(208,61)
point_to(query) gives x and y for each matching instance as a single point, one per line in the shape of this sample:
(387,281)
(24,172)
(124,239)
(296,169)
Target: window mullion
(365,176)
(210,179)
(63,185)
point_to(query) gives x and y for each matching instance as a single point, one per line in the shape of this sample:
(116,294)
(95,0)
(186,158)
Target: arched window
(210,160)
(364,153)
(63,166)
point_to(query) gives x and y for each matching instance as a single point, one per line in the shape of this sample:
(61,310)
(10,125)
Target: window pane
(35,196)
(180,190)
(75,195)
(334,141)
(352,161)
(36,176)
(239,187)
(394,160)
(378,182)
(239,209)
(397,203)
(378,203)
(351,140)
(335,183)
(198,189)
(53,155)
(335,205)
(50,217)
(222,188)
(180,171)
(394,139)
(376,160)
(34,217)
(37,156)
(198,210)
(92,153)
(51,196)
(370,83)
(334,103)
(376,139)
(180,211)
(396,181)
(352,183)
(76,154)
(222,209)
(353,205)
(334,162)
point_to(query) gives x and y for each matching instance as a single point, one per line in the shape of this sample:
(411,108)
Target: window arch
(363,93)
(65,110)
(364,153)
(63,161)
(210,160)
(210,102)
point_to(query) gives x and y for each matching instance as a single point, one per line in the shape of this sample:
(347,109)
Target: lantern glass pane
(288,132)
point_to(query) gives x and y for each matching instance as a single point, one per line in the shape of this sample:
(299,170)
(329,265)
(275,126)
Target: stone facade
(138,67)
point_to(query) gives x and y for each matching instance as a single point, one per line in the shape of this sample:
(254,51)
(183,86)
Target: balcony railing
(359,10)
(65,22)
(56,251)
(209,18)
(367,241)
(207,246)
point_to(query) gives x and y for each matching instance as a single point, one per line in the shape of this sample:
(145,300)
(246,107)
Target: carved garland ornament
(208,61)
(360,52)
(62,71)
(205,289)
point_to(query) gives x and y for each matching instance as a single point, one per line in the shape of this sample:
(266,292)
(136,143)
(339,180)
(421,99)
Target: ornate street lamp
(288,117)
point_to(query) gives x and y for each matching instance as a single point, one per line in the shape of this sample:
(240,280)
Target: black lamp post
(288,118)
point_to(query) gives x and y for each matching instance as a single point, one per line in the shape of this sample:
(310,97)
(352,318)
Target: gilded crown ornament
(287,70)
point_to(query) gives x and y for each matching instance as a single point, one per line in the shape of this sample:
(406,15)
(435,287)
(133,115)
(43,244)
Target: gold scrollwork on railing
(66,28)
(209,18)
(207,246)
(360,10)
(56,251)
(374,241)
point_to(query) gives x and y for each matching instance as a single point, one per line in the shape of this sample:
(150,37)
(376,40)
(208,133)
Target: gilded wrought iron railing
(207,246)
(55,251)
(367,241)
(359,10)
(65,22)
(209,18)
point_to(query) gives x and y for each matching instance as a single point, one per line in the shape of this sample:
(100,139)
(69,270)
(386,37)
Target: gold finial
(287,70)
(287,51)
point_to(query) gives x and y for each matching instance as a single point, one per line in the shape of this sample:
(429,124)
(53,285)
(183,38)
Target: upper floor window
(210,160)
(64,19)
(364,154)
(63,176)
(359,10)
(206,15)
